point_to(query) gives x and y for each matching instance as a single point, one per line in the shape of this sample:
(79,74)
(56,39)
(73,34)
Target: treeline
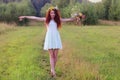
(7,1)
(107,9)
(11,11)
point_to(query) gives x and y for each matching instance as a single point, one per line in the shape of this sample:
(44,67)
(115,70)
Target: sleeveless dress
(52,38)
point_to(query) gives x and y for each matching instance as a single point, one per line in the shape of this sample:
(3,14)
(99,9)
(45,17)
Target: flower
(52,7)
(77,15)
(80,14)
(74,15)
(56,7)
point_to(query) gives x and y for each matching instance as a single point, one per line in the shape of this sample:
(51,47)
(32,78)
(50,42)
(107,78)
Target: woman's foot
(53,74)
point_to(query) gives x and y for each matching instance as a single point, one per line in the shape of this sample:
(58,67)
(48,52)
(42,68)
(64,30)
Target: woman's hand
(21,18)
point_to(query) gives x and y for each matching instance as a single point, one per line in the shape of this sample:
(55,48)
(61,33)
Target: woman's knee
(51,53)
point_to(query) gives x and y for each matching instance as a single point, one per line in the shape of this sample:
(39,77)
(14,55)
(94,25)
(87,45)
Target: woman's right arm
(32,18)
(67,19)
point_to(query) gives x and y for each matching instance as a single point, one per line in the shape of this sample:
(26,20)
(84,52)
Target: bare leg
(55,56)
(52,62)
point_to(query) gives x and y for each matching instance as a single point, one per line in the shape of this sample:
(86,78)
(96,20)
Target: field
(89,53)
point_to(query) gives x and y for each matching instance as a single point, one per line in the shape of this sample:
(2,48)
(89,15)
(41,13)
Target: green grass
(89,53)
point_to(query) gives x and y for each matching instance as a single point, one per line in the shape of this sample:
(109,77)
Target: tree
(107,4)
(114,11)
(100,10)
(38,4)
(7,1)
(60,3)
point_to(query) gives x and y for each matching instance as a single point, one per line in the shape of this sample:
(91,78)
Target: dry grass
(6,27)
(112,23)
(75,68)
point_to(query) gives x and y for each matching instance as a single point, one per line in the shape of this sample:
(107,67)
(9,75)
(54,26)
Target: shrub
(100,10)
(88,10)
(11,11)
(114,11)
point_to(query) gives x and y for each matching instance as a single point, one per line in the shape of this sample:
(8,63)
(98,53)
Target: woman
(52,40)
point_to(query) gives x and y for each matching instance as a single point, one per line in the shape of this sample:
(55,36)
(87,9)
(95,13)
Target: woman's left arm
(67,19)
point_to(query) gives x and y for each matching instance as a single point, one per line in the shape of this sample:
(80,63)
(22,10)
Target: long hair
(56,18)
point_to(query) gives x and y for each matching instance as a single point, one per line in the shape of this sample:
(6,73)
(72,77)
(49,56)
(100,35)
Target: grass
(89,53)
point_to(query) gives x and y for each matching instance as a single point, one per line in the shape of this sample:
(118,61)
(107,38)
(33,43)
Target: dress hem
(52,48)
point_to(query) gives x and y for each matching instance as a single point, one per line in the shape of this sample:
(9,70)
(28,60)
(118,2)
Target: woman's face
(52,14)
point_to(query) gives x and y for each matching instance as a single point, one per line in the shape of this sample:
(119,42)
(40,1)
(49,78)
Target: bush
(44,9)
(88,10)
(11,11)
(91,15)
(66,12)
(114,11)
(100,10)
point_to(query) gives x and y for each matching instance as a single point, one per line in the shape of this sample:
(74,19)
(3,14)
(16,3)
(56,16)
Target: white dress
(52,38)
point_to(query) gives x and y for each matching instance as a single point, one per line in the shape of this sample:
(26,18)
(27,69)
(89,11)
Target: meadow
(89,53)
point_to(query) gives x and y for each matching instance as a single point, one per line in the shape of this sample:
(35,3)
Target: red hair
(56,18)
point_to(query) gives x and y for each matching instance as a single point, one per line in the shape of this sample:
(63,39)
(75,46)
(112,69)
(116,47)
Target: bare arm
(67,19)
(32,18)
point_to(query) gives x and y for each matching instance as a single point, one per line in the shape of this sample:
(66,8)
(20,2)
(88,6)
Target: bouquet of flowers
(75,15)
(79,17)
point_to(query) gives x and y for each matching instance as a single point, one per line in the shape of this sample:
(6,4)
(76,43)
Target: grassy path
(89,53)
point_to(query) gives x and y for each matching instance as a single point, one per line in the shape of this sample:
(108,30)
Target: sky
(95,0)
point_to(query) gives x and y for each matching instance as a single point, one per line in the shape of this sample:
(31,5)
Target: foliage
(107,4)
(44,9)
(100,10)
(88,10)
(60,3)
(112,9)
(11,11)
(66,12)
(107,9)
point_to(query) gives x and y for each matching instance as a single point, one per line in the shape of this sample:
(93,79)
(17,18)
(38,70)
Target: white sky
(95,0)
